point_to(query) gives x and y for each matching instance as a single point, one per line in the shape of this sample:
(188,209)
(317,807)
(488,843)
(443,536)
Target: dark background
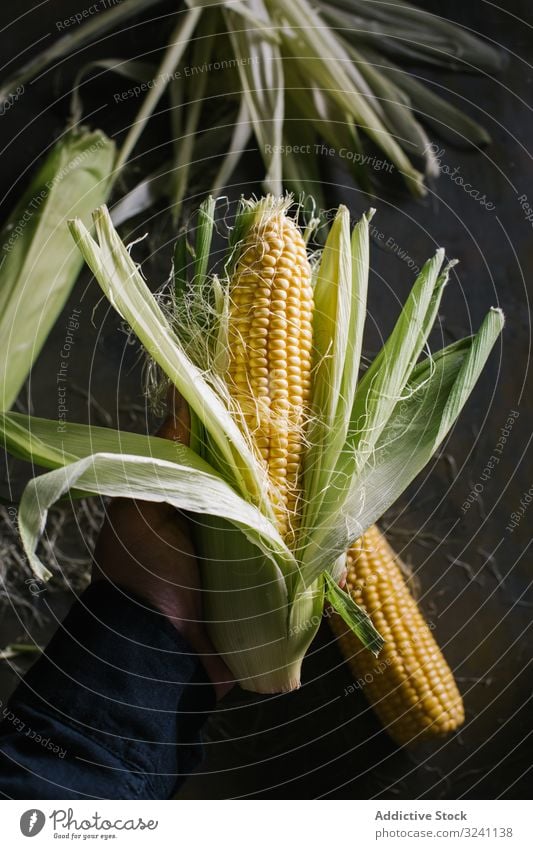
(473,574)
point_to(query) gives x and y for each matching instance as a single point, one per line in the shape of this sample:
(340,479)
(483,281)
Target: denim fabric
(112,710)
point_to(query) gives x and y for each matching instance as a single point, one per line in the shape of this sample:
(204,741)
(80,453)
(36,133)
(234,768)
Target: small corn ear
(410,686)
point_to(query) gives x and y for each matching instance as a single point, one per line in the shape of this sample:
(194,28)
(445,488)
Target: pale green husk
(38,265)
(367,439)
(288,75)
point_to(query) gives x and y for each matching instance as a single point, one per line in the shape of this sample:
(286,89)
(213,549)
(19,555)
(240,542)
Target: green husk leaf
(306,38)
(77,36)
(451,123)
(244,219)
(241,134)
(413,33)
(186,486)
(473,364)
(122,283)
(332,305)
(434,396)
(142,196)
(249,611)
(331,311)
(39,266)
(354,616)
(181,264)
(53,445)
(398,116)
(179,40)
(202,49)
(262,87)
(204,237)
(383,383)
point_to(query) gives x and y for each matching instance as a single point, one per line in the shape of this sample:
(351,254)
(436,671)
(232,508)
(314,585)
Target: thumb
(177,423)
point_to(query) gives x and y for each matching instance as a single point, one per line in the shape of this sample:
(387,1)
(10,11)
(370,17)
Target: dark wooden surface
(473,573)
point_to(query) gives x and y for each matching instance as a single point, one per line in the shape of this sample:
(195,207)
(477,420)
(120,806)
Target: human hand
(145,547)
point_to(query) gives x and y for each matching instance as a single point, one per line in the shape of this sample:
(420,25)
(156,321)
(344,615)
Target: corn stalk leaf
(158,184)
(143,195)
(179,40)
(182,261)
(302,174)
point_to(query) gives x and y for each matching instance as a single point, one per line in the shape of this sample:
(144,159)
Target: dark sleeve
(112,710)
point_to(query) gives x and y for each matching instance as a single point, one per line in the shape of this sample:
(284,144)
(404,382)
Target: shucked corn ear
(270,341)
(38,264)
(410,686)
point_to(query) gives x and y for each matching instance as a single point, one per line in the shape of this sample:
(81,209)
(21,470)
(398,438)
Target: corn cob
(270,337)
(410,686)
